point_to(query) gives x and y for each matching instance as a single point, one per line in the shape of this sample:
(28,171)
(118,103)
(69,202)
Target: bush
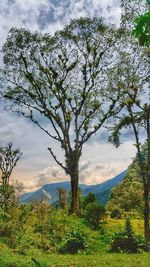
(132,244)
(93,213)
(116,213)
(73,242)
(127,240)
(86,200)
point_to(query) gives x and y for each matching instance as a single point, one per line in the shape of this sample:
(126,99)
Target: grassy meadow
(98,253)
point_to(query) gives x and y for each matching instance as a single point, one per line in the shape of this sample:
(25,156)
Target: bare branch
(57,161)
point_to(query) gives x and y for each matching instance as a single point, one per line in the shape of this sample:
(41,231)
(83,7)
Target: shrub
(116,213)
(132,244)
(93,213)
(90,198)
(73,242)
(127,240)
(11,228)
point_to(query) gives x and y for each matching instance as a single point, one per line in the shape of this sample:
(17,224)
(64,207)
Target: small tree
(90,198)
(62,194)
(8,160)
(93,214)
(128,227)
(63,80)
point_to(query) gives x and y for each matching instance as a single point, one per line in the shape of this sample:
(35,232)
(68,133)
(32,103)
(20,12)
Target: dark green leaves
(142,29)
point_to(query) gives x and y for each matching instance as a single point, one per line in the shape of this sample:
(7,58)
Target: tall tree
(63,79)
(133,76)
(133,83)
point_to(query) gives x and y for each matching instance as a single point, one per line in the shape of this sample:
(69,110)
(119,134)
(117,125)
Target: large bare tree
(63,80)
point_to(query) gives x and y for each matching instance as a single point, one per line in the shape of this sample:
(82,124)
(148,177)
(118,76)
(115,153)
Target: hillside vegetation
(29,243)
(128,195)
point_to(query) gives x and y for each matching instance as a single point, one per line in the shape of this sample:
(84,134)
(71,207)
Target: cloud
(88,173)
(52,15)
(10,127)
(84,165)
(95,174)
(61,12)
(52,174)
(18,13)
(100,137)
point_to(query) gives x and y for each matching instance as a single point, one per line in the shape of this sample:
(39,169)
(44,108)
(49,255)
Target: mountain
(101,191)
(49,191)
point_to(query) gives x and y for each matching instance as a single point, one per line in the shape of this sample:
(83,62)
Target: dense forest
(89,76)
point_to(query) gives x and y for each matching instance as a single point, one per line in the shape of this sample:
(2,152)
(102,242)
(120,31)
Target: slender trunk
(146,215)
(147,185)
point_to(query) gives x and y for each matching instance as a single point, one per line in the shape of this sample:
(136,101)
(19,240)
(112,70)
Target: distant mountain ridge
(101,191)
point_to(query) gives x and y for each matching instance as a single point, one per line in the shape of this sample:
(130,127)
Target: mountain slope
(101,191)
(49,190)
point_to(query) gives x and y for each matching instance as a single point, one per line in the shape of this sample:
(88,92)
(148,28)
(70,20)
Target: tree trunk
(146,215)
(74,194)
(72,163)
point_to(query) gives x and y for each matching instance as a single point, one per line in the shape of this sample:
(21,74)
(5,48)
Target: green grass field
(99,254)
(11,259)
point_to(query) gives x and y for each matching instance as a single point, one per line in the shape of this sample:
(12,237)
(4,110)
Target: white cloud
(18,13)
(109,9)
(52,174)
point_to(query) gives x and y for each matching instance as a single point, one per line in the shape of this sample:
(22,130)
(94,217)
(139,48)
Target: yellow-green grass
(113,225)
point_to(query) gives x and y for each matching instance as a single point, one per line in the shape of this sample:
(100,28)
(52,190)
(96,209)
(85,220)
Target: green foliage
(128,196)
(11,227)
(128,227)
(97,243)
(142,29)
(90,198)
(32,226)
(73,242)
(93,214)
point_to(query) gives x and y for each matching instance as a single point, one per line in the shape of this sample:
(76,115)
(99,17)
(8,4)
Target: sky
(100,161)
